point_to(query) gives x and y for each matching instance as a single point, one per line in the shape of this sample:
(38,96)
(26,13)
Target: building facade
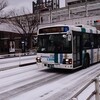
(75,13)
(9,40)
(13,42)
(48,5)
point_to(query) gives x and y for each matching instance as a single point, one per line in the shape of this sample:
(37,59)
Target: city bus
(68,47)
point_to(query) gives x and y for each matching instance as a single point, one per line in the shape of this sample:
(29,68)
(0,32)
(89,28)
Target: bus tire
(86,62)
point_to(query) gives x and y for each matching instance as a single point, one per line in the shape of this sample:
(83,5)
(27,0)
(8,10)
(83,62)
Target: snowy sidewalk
(14,62)
(16,55)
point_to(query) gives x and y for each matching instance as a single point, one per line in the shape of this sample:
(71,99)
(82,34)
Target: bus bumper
(63,66)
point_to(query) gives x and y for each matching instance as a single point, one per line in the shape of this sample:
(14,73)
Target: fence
(90,91)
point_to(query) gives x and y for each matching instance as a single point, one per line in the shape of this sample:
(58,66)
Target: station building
(12,42)
(9,39)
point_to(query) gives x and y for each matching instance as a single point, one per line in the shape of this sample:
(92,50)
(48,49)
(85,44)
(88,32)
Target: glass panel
(54,43)
(86,42)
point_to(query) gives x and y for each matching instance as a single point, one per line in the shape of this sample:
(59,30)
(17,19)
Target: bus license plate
(51,65)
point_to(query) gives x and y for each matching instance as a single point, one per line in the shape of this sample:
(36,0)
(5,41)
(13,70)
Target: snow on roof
(9,28)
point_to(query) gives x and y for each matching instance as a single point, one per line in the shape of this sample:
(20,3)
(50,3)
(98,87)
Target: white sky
(17,4)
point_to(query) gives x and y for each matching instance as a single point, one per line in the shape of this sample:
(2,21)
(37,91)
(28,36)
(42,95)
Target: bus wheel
(86,61)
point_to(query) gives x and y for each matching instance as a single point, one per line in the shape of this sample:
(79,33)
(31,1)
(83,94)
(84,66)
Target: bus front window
(54,43)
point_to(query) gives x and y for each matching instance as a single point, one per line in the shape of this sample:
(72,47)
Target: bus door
(77,49)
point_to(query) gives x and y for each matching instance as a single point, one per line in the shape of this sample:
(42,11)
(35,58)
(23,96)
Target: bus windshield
(54,43)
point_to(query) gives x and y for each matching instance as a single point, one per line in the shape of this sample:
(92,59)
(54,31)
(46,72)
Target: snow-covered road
(36,83)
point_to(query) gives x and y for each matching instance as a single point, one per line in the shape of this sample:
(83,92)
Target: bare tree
(24,23)
(3,4)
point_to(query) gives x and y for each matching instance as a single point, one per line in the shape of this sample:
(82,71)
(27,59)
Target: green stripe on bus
(56,58)
(83,29)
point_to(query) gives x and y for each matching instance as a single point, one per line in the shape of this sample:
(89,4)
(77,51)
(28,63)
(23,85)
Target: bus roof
(80,28)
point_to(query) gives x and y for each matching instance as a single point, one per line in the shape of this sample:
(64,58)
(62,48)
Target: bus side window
(87,44)
(96,40)
(99,41)
(92,40)
(86,41)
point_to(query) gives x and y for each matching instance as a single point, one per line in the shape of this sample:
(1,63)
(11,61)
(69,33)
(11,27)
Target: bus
(68,47)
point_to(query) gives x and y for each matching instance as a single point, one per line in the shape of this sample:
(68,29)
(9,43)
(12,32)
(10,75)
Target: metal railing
(89,91)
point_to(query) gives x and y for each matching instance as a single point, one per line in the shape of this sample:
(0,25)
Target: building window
(87,22)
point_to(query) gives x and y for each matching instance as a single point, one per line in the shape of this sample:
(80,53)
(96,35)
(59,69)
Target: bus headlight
(67,61)
(38,59)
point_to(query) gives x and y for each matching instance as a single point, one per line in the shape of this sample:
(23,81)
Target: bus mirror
(69,37)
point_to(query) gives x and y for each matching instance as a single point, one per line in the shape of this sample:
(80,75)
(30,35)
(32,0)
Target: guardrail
(89,91)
